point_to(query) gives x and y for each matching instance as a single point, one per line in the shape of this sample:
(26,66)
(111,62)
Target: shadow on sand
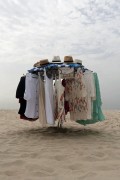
(56,132)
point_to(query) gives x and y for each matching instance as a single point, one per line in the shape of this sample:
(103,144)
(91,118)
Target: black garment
(21,88)
(22,106)
(20,95)
(66,103)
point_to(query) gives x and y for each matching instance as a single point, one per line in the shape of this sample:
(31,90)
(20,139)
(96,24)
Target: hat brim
(57,62)
(69,62)
(44,64)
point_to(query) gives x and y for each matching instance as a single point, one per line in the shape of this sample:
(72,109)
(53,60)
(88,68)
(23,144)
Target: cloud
(31,28)
(86,29)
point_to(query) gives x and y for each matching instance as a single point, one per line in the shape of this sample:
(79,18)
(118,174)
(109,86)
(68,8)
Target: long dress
(75,93)
(31,95)
(97,114)
(49,104)
(42,113)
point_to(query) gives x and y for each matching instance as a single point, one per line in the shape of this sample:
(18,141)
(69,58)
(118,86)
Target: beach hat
(37,64)
(56,59)
(41,62)
(78,61)
(68,59)
(44,62)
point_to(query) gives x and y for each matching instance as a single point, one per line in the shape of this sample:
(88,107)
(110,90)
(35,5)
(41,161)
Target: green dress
(97,114)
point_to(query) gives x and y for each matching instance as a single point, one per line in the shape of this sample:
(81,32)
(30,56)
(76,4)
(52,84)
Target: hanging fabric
(59,96)
(31,95)
(20,95)
(49,104)
(91,91)
(97,114)
(76,93)
(42,113)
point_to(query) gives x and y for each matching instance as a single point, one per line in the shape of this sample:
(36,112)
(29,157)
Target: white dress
(91,91)
(31,95)
(49,104)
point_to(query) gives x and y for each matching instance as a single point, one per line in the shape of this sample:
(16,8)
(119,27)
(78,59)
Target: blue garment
(34,69)
(97,114)
(54,65)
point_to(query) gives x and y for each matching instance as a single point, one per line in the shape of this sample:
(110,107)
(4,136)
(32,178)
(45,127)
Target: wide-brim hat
(56,59)
(44,62)
(68,59)
(78,61)
(37,64)
(41,63)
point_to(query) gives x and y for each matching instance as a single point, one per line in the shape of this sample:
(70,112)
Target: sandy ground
(29,152)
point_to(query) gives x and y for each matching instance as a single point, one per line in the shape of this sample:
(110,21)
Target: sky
(31,30)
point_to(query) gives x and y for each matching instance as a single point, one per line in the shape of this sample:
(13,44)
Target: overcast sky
(31,30)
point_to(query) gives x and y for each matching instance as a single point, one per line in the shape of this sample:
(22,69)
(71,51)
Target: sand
(29,152)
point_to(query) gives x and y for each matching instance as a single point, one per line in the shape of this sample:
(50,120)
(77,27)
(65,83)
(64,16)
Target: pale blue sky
(31,30)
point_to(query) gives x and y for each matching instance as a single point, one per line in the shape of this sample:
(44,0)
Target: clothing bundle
(53,90)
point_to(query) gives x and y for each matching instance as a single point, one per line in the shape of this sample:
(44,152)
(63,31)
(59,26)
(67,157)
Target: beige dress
(42,113)
(76,93)
(59,101)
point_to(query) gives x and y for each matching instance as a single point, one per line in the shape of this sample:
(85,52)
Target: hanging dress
(42,113)
(59,100)
(31,95)
(49,104)
(91,91)
(76,93)
(97,114)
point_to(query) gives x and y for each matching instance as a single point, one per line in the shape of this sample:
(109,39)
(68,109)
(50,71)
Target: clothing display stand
(61,88)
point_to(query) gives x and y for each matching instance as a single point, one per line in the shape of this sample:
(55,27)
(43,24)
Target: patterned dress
(76,93)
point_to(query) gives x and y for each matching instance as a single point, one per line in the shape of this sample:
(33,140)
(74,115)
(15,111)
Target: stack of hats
(56,59)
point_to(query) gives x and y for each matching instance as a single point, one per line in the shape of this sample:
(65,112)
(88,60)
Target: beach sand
(30,152)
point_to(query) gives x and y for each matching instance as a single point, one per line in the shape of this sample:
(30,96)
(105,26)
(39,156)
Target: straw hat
(37,64)
(68,59)
(56,59)
(41,62)
(78,61)
(44,62)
